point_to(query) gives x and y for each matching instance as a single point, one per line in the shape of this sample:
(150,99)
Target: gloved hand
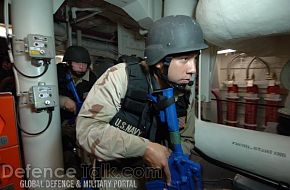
(156,156)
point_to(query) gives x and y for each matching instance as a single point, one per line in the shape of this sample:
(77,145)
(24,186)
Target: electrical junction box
(39,46)
(43,96)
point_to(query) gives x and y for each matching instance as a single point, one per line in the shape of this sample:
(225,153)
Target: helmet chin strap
(164,76)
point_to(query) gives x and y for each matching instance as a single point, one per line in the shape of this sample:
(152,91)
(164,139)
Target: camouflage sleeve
(94,133)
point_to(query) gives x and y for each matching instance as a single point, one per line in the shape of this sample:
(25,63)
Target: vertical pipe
(69,29)
(181,7)
(42,151)
(251,107)
(232,105)
(79,37)
(272,100)
(199,89)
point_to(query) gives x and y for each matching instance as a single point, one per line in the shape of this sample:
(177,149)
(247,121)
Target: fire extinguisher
(251,107)
(272,101)
(232,106)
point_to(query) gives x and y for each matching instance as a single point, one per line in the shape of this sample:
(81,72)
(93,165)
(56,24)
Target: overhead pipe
(257,31)
(74,11)
(61,33)
(145,12)
(86,17)
(181,7)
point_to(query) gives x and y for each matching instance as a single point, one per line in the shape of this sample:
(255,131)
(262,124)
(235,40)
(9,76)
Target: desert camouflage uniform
(97,136)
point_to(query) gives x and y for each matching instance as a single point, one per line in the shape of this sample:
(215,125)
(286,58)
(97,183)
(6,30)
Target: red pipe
(251,107)
(232,106)
(273,100)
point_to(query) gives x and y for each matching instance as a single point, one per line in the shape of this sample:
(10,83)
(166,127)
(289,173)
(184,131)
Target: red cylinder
(232,106)
(251,107)
(272,100)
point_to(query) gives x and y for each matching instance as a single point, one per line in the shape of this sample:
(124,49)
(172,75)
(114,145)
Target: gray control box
(39,46)
(43,96)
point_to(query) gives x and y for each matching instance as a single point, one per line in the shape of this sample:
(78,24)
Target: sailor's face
(182,68)
(79,67)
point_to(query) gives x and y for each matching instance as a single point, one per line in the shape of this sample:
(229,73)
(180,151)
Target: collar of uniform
(86,76)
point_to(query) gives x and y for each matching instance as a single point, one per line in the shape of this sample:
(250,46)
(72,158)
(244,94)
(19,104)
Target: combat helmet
(172,35)
(77,54)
